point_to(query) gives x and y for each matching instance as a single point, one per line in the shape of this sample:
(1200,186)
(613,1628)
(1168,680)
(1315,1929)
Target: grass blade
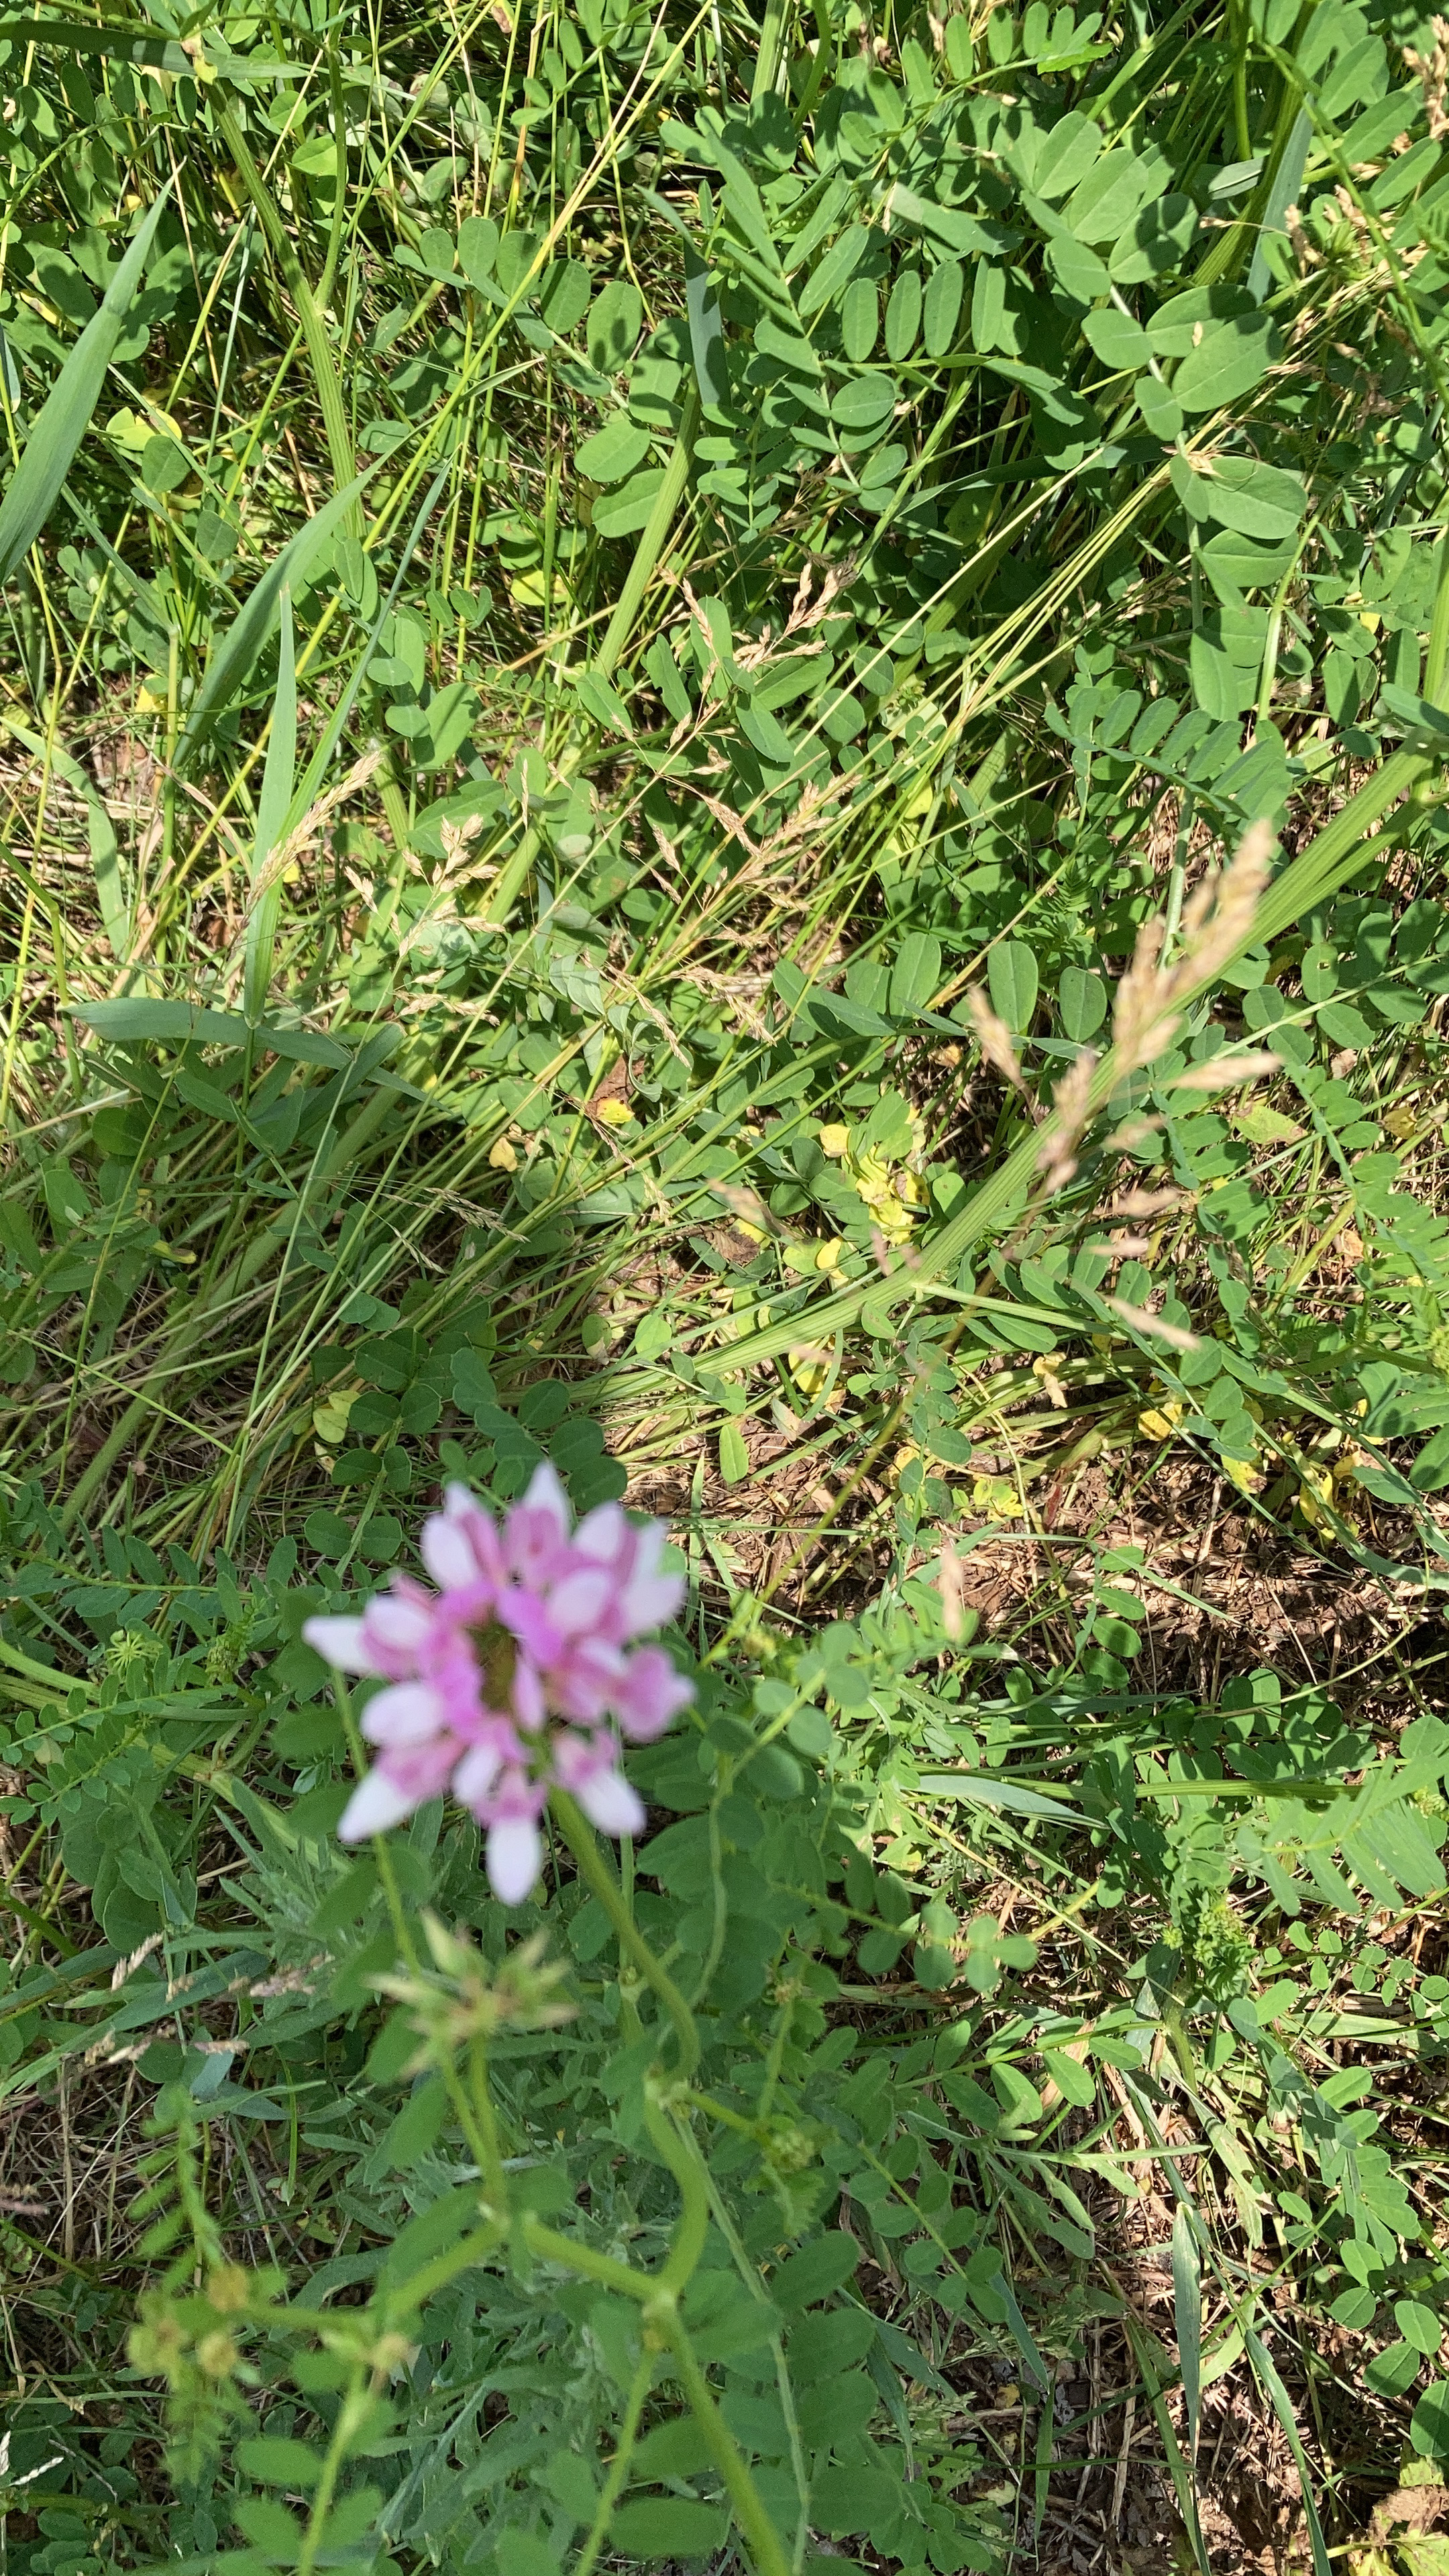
(272,810)
(64,416)
(281,759)
(137,45)
(1287,181)
(1282,2406)
(251,629)
(1187,2315)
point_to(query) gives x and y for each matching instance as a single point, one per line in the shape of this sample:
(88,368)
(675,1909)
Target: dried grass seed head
(995,1040)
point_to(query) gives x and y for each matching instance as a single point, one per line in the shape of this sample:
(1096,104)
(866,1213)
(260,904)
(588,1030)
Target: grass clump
(722,753)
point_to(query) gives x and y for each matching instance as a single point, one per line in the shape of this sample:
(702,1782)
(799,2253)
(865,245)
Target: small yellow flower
(148,704)
(834,1141)
(502,1156)
(615,1113)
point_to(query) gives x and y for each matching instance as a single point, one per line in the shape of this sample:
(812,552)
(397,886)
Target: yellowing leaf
(330,1416)
(1264,1126)
(809,1366)
(1159,1421)
(1244,1474)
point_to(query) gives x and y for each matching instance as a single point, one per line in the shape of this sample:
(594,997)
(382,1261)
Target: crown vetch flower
(517,1675)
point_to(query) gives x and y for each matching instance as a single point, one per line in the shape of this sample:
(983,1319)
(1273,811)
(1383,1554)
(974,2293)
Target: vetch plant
(505,1683)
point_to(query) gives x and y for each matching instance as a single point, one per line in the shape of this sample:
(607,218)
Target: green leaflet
(1011,975)
(948,224)
(1231,358)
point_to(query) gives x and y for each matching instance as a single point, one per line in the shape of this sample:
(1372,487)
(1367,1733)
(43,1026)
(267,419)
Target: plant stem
(327,2483)
(767,60)
(639,2388)
(601,1882)
(764,2540)
(571,2256)
(673,2142)
(514,875)
(314,330)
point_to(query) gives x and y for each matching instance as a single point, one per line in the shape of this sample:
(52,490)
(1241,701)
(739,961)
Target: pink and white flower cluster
(511,1678)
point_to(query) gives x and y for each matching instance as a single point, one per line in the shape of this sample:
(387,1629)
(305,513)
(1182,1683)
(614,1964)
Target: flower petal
(648,1600)
(525,1616)
(546,1494)
(476,1774)
(588,1682)
(404,1713)
(513,1858)
(447,1553)
(610,1802)
(530,1707)
(579,1602)
(340,1642)
(649,1545)
(650,1694)
(398,1627)
(603,1533)
(374,1806)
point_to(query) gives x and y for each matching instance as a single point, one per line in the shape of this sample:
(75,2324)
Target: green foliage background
(575,583)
